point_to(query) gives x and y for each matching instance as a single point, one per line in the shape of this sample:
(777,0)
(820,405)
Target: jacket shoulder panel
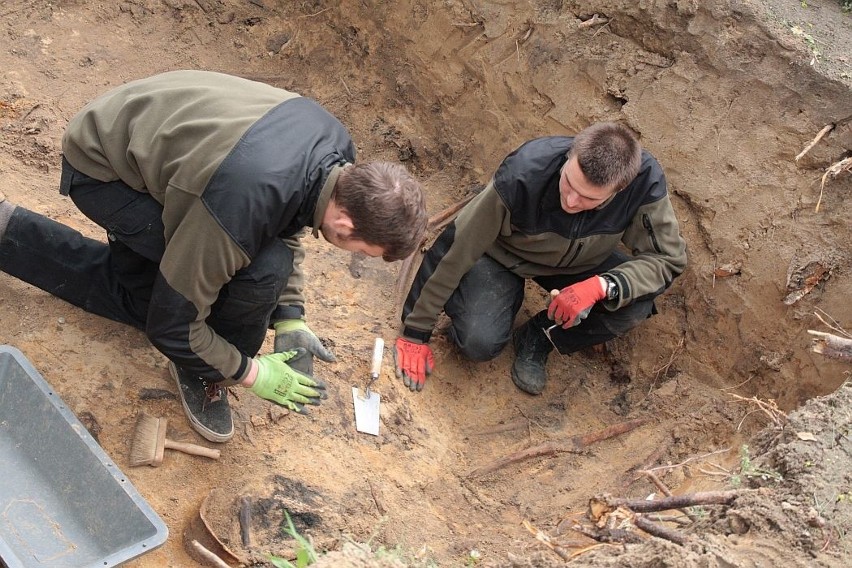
(267,186)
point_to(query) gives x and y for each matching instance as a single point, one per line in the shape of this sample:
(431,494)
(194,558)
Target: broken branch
(595,20)
(665,491)
(844,165)
(442,219)
(573,444)
(668,503)
(825,130)
(436,222)
(831,345)
(659,531)
(207,555)
(545,539)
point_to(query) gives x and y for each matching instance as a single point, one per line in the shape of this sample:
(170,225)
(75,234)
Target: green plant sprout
(305,553)
(748,470)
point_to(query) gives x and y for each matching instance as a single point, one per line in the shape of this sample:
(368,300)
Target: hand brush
(150,443)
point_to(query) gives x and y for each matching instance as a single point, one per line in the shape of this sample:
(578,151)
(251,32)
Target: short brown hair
(608,153)
(386,205)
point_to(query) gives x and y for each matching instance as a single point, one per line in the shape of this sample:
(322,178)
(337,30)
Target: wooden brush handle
(193,449)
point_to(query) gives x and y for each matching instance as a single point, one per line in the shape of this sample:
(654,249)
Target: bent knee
(479,350)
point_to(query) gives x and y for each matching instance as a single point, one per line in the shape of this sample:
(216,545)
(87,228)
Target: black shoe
(531,350)
(205,404)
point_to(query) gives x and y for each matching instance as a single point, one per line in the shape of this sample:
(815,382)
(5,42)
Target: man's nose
(572,199)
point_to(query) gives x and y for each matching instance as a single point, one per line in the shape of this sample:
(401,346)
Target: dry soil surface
(724,93)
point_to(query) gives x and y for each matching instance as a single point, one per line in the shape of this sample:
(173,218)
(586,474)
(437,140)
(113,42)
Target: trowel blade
(366,411)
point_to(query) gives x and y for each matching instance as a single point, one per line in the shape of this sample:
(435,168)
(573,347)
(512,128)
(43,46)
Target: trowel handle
(378,354)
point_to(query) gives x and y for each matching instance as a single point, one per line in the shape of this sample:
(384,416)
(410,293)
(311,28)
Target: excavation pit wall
(722,93)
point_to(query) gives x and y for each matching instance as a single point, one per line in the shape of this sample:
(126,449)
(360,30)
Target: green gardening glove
(293,334)
(279,382)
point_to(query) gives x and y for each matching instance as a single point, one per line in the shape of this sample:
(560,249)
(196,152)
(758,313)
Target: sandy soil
(724,93)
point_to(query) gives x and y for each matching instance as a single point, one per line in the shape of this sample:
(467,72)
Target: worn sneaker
(205,404)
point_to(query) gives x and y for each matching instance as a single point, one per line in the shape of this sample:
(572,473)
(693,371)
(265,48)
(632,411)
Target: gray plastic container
(63,502)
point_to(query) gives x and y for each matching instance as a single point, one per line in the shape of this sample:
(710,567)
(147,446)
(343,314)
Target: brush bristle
(143,450)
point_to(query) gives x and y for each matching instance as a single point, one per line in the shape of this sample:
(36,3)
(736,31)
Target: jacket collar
(325,197)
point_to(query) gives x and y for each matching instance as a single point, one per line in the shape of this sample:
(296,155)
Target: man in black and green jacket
(556,211)
(204,183)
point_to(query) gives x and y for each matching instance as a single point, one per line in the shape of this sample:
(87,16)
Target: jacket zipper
(573,257)
(646,222)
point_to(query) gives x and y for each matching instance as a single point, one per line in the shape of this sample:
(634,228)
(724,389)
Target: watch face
(611,290)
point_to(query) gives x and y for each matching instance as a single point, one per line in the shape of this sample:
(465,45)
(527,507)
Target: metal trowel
(367,406)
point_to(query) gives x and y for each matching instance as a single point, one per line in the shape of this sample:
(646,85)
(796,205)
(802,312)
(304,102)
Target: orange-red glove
(413,361)
(576,301)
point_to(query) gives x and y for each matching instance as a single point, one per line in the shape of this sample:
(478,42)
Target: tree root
(573,444)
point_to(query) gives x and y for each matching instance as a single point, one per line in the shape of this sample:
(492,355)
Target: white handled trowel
(367,406)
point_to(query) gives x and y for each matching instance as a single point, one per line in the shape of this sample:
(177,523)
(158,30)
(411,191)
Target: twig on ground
(825,130)
(436,223)
(378,498)
(678,519)
(750,377)
(666,491)
(586,549)
(595,20)
(573,444)
(768,407)
(834,325)
(723,473)
(603,27)
(692,459)
(664,369)
(607,535)
(831,345)
(209,556)
(545,539)
(245,520)
(677,502)
(844,165)
(315,13)
(442,219)
(659,531)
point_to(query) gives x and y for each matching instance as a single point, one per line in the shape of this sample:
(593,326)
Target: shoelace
(213,393)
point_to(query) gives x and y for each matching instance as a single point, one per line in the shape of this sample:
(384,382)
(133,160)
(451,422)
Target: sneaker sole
(205,432)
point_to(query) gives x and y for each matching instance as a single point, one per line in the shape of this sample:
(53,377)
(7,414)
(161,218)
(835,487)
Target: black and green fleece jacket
(235,164)
(517,220)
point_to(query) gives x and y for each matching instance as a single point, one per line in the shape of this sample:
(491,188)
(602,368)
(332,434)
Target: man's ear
(345,221)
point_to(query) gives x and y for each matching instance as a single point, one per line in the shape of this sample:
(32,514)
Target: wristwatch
(611,287)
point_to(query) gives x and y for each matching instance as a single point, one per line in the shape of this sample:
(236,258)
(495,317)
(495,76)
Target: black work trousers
(115,279)
(484,306)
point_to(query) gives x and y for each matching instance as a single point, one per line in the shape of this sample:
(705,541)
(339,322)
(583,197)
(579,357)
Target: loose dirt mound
(724,93)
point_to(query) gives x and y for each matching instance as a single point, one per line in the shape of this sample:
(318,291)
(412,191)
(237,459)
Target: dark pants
(484,306)
(115,279)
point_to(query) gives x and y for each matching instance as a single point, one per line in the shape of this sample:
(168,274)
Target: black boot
(531,350)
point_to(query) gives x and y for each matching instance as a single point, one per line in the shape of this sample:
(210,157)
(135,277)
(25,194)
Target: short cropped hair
(386,205)
(609,155)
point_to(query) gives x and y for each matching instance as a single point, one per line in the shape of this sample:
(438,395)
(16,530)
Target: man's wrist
(610,287)
(252,374)
(283,326)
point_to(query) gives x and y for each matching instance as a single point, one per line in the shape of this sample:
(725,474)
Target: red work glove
(414,361)
(576,301)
